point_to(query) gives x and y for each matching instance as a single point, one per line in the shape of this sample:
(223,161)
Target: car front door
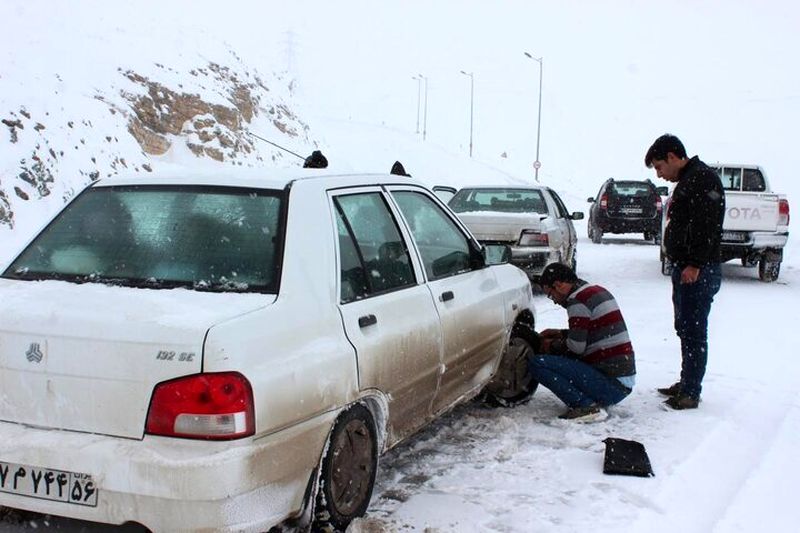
(466,295)
(387,311)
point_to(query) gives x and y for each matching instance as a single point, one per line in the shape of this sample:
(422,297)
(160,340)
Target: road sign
(537,165)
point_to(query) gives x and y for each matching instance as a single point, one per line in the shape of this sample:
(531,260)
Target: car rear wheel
(513,384)
(596,235)
(768,271)
(348,470)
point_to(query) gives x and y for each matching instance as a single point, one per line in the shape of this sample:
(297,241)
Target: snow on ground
(730,466)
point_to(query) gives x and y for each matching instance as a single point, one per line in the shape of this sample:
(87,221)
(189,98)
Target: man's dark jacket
(696,212)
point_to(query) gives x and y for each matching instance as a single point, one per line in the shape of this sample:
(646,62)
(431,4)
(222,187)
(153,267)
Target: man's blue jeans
(692,303)
(576,383)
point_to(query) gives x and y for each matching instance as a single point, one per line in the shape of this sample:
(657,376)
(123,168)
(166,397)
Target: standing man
(692,244)
(590,365)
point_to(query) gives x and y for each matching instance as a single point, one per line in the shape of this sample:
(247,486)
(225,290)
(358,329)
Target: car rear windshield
(632,188)
(203,238)
(503,200)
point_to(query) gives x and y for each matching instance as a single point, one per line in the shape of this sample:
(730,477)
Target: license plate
(631,210)
(48,484)
(734,236)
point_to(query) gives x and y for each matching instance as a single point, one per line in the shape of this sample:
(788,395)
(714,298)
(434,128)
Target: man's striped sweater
(597,334)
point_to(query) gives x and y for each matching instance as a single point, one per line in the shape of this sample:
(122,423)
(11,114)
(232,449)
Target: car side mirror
(590,200)
(662,191)
(496,254)
(577,215)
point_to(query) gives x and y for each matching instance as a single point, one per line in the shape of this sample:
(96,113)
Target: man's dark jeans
(576,383)
(692,303)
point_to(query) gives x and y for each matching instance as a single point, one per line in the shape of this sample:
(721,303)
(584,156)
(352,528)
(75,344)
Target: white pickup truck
(756,224)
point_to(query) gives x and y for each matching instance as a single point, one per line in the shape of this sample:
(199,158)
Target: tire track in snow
(729,454)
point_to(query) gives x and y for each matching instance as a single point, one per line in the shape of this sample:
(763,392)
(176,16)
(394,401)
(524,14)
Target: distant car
(626,206)
(531,220)
(232,352)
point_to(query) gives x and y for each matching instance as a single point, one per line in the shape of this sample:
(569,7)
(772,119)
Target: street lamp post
(419,96)
(425,111)
(471,105)
(538,163)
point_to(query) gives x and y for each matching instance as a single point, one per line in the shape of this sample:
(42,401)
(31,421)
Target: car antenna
(277,145)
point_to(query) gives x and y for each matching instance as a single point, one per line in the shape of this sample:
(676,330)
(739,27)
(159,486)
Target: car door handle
(367,320)
(447,296)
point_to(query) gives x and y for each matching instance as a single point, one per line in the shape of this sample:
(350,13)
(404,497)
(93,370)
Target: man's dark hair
(316,160)
(665,144)
(557,272)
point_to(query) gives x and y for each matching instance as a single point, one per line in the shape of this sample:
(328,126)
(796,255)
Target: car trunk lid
(500,227)
(87,357)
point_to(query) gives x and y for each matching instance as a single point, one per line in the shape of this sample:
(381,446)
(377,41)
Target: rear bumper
(174,484)
(533,259)
(629,225)
(756,240)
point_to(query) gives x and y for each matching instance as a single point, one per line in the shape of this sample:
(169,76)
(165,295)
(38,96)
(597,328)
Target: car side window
(562,209)
(373,257)
(445,249)
(753,180)
(731,178)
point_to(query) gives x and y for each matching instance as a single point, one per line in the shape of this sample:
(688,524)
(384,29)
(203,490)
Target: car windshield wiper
(222,285)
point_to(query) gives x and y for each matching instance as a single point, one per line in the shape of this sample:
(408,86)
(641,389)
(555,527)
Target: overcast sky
(721,75)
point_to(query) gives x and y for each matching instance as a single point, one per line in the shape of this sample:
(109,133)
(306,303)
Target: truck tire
(768,271)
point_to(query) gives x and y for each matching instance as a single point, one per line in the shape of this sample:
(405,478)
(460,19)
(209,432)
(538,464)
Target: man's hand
(690,274)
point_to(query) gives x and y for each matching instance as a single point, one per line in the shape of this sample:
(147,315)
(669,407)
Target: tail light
(604,202)
(531,237)
(783,212)
(203,406)
(658,204)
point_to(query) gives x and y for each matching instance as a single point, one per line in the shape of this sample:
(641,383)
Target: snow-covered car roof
(263,178)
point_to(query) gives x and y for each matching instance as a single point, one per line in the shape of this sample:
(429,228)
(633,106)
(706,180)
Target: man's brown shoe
(680,402)
(672,390)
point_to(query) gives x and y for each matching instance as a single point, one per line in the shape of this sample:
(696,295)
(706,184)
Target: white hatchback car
(532,220)
(232,352)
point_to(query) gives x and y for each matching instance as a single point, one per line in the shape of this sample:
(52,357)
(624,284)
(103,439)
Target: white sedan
(232,352)
(532,220)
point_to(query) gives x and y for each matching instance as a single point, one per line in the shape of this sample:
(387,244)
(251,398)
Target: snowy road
(729,466)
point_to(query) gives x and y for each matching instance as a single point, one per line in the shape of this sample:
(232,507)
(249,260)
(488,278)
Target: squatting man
(591,364)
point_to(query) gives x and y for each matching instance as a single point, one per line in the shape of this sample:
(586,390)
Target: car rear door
(467,297)
(568,238)
(386,309)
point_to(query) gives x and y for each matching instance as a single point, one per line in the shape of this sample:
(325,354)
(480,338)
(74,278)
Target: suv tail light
(215,406)
(783,212)
(531,237)
(604,202)
(658,204)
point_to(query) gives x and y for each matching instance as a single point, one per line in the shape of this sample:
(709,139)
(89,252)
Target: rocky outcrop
(209,110)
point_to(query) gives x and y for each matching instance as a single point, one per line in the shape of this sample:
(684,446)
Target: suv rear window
(631,188)
(204,238)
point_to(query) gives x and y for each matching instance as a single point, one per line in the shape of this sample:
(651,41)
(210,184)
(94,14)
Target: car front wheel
(348,470)
(513,384)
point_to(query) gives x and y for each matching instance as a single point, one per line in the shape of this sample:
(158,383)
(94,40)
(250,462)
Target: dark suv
(626,206)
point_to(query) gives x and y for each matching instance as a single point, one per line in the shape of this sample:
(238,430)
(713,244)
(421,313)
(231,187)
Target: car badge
(34,353)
